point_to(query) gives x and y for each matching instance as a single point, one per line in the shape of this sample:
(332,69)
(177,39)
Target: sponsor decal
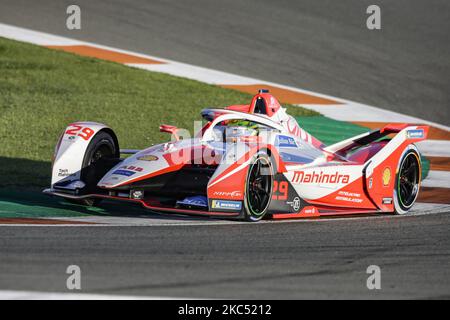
(132,168)
(289,157)
(387,200)
(349,197)
(415,134)
(198,201)
(319,177)
(309,210)
(295,204)
(285,142)
(386,176)
(137,194)
(64,173)
(148,158)
(231,194)
(126,173)
(108,183)
(295,129)
(226,205)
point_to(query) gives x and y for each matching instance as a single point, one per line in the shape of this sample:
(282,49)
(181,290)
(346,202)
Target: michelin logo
(226,205)
(415,134)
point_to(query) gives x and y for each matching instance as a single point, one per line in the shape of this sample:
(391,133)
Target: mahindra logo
(232,194)
(314,177)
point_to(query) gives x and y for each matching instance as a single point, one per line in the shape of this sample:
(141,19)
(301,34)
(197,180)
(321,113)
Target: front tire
(101,149)
(258,187)
(407,180)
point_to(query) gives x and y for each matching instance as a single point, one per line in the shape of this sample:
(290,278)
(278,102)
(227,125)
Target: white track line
(35,37)
(438,179)
(419,209)
(434,148)
(38,295)
(195,73)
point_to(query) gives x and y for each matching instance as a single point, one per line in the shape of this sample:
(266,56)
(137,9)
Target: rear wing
(404,131)
(380,171)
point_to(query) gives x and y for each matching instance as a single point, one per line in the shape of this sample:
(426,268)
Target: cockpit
(232,130)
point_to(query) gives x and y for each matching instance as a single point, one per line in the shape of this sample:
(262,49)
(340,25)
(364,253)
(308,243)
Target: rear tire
(258,187)
(407,180)
(101,148)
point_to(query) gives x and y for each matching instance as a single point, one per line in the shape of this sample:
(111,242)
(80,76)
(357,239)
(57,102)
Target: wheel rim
(258,187)
(95,170)
(101,152)
(408,180)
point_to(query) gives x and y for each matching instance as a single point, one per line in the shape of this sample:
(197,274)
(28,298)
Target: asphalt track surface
(318,45)
(305,259)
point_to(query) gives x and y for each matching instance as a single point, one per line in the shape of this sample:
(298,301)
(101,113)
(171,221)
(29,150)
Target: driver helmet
(240,128)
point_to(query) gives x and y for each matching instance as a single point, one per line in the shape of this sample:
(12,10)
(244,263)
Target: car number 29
(83,132)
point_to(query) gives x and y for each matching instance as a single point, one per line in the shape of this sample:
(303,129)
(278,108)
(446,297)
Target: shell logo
(148,158)
(386,176)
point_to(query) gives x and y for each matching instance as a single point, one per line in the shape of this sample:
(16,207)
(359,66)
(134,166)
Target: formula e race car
(245,162)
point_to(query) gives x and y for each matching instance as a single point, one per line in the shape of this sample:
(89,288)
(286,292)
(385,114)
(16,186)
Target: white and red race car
(246,162)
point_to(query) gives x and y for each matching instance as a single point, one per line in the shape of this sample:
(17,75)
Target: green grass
(43,90)
(29,204)
(329,131)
